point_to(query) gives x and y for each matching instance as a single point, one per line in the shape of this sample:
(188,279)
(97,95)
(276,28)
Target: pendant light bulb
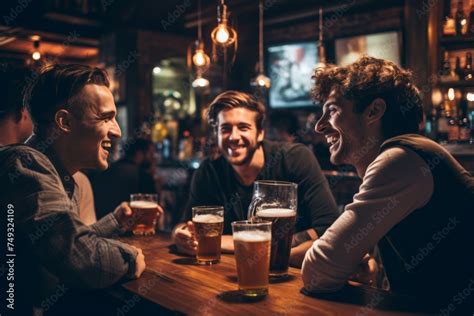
(36,54)
(261,81)
(200,58)
(200,82)
(222,34)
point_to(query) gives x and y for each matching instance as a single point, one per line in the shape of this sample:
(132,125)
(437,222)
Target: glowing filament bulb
(199,59)
(36,55)
(222,35)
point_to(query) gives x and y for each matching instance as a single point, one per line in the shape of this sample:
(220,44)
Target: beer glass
(276,201)
(208,226)
(252,256)
(145,213)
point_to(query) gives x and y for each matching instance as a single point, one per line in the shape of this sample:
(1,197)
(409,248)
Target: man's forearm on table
(304,236)
(298,253)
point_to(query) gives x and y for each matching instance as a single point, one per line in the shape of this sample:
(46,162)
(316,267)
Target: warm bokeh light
(451,94)
(200,83)
(470,96)
(36,55)
(200,59)
(262,81)
(222,34)
(436,96)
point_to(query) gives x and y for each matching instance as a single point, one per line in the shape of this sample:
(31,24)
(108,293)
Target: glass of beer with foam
(145,213)
(208,227)
(276,201)
(252,256)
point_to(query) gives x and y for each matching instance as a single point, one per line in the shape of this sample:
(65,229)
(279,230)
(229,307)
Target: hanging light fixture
(200,58)
(197,57)
(200,82)
(198,61)
(261,80)
(36,54)
(321,50)
(224,42)
(223,34)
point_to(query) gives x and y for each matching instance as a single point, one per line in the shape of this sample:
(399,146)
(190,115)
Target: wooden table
(178,285)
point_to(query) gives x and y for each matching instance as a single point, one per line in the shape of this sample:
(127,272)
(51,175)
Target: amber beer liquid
(208,231)
(144,216)
(283,226)
(252,255)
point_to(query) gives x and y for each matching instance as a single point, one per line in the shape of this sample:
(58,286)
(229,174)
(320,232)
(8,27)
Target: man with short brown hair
(74,116)
(237,120)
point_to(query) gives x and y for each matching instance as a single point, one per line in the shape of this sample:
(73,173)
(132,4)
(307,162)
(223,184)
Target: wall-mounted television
(381,45)
(290,67)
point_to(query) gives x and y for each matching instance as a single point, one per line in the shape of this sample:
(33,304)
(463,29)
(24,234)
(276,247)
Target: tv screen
(290,67)
(381,45)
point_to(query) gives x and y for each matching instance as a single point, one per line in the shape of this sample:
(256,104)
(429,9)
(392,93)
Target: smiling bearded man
(237,120)
(415,201)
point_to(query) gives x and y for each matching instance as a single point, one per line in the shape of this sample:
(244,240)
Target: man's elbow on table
(315,279)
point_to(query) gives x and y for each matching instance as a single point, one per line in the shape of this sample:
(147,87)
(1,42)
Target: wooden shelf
(457,42)
(457,84)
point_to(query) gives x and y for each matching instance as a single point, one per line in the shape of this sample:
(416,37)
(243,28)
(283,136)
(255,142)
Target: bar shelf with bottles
(451,119)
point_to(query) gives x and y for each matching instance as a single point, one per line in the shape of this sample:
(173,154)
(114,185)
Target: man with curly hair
(415,201)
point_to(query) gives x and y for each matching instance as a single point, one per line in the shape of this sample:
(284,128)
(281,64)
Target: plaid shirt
(53,247)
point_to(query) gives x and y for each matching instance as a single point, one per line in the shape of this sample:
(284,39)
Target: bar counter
(178,286)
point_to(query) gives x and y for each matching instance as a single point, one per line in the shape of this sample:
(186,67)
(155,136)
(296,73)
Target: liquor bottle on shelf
(453,125)
(431,126)
(471,19)
(185,146)
(442,124)
(166,148)
(461,21)
(449,25)
(468,72)
(458,70)
(470,115)
(445,73)
(464,125)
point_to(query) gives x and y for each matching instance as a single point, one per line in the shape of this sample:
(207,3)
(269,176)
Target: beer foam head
(252,236)
(143,204)
(208,218)
(276,212)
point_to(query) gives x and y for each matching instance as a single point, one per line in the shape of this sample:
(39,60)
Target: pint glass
(276,201)
(145,211)
(252,255)
(208,226)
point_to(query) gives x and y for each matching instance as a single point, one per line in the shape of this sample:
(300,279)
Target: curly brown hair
(370,78)
(235,99)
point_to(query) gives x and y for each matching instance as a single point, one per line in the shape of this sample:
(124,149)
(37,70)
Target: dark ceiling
(56,21)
